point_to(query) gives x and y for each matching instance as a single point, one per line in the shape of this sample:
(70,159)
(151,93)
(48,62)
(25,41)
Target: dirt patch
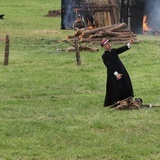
(45,32)
(53,13)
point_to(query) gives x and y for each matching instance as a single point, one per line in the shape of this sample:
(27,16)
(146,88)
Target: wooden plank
(106,11)
(111,13)
(97,15)
(106,17)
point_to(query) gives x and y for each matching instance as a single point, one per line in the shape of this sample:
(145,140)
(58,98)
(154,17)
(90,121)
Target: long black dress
(116,90)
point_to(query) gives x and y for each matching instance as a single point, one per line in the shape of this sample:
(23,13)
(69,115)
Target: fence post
(78,59)
(6,55)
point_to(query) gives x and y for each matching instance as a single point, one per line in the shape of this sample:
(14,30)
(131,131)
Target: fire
(89,24)
(145,26)
(89,27)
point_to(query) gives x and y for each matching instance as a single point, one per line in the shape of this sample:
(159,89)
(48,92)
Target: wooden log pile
(117,33)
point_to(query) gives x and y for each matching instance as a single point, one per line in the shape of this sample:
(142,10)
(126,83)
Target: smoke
(69,14)
(153,13)
(68,17)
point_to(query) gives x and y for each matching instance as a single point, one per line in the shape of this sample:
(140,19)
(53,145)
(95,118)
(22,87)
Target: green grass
(50,108)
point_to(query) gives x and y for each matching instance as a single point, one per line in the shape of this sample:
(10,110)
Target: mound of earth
(53,13)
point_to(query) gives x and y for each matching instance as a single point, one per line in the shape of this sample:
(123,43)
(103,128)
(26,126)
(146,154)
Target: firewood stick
(123,30)
(93,31)
(65,41)
(122,25)
(70,37)
(100,39)
(150,105)
(110,33)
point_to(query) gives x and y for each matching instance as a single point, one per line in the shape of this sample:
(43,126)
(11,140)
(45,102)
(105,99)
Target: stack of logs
(117,33)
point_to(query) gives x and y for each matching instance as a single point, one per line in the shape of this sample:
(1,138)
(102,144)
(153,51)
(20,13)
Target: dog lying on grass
(129,104)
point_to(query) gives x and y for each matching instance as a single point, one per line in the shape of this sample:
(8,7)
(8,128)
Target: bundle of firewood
(117,33)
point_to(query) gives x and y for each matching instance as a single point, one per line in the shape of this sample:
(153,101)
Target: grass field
(50,108)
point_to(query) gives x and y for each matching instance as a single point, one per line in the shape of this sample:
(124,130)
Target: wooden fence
(105,12)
